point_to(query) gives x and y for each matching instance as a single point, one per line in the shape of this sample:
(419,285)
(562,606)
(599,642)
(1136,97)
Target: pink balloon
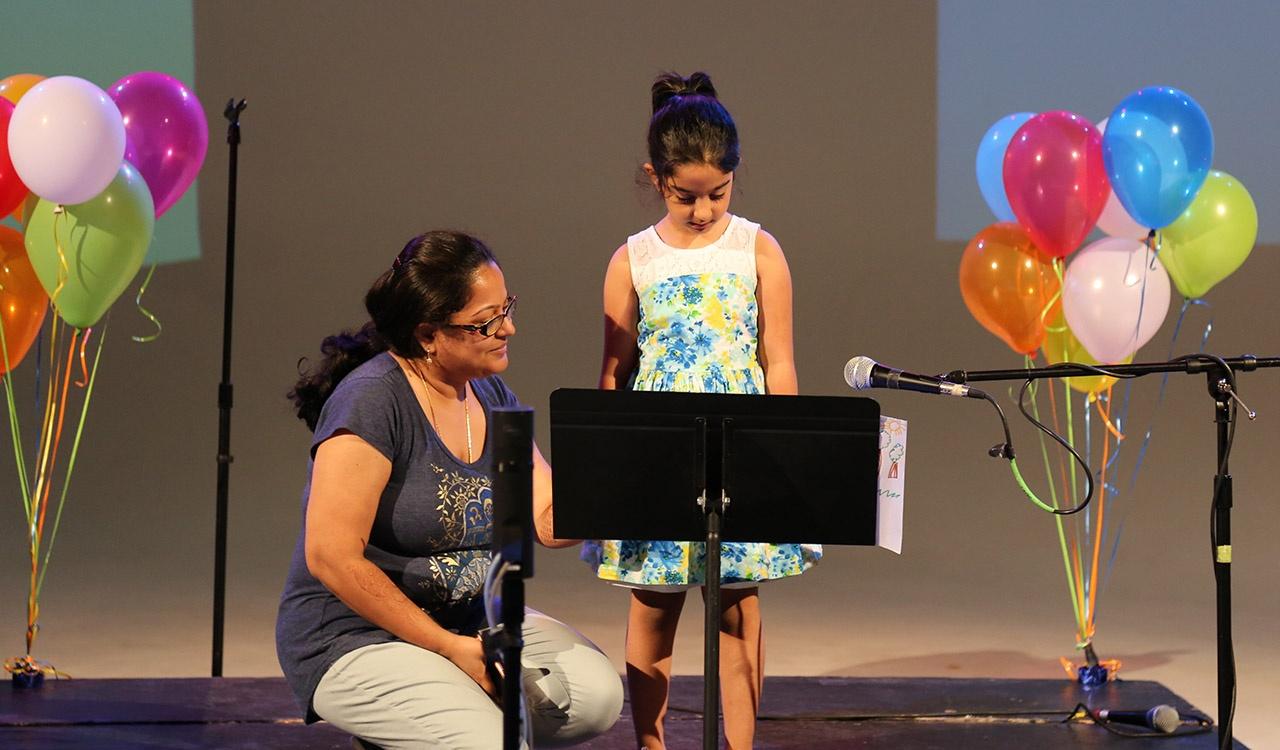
(1055,180)
(167,134)
(66,140)
(1115,295)
(1114,220)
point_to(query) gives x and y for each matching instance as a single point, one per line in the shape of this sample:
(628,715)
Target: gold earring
(428,353)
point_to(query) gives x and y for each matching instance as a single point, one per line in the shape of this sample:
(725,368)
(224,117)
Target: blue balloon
(1157,149)
(990,163)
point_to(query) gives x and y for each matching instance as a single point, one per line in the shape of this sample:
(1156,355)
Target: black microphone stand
(232,113)
(1222,390)
(512,486)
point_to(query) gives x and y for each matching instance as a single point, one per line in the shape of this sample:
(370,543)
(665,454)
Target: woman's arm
(621,318)
(773,300)
(542,503)
(347,479)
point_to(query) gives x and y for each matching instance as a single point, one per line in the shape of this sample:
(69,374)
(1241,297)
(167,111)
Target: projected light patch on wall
(1000,57)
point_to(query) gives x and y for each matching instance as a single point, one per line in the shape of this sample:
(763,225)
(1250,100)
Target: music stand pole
(232,113)
(713,507)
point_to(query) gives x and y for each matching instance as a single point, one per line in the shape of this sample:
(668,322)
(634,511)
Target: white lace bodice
(653,260)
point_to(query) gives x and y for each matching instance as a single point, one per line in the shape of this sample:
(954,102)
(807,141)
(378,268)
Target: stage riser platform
(815,713)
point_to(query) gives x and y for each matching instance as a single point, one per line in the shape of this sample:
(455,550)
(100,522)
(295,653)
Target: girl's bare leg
(651,634)
(741,664)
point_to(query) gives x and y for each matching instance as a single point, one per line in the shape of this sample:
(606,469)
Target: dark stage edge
(252,713)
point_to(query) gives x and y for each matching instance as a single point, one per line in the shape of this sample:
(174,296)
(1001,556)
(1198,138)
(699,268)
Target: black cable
(1005,450)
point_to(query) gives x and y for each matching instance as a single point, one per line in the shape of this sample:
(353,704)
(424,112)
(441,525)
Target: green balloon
(104,241)
(1212,238)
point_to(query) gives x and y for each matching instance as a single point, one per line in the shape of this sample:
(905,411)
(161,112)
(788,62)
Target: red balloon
(12,191)
(1055,180)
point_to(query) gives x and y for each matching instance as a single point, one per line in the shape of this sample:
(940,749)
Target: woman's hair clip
(395,264)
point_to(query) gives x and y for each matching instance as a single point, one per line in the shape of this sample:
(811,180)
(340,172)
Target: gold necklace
(466,408)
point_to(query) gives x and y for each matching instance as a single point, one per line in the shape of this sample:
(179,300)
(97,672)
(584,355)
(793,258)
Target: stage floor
(796,712)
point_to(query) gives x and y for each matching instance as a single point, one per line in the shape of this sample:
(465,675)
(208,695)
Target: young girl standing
(699,302)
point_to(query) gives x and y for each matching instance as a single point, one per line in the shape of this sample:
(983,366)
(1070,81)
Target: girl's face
(696,196)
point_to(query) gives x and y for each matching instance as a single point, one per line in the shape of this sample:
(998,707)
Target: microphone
(864,372)
(1161,718)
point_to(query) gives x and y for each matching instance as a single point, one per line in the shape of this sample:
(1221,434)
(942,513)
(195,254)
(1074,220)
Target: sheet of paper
(892,486)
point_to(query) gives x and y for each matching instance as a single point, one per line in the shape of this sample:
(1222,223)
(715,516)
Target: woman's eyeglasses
(491,326)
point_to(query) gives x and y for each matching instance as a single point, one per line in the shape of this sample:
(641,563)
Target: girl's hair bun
(669,85)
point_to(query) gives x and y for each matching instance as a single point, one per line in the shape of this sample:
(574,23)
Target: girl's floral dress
(697,334)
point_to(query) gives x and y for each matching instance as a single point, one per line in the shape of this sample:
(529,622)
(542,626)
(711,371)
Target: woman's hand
(542,504)
(467,653)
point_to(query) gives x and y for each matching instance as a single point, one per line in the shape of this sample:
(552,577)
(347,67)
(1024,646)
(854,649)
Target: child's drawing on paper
(895,457)
(892,479)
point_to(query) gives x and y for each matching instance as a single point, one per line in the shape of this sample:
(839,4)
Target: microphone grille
(1165,718)
(857,372)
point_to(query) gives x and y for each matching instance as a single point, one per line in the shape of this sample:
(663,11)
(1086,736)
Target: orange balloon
(23,301)
(13,87)
(1008,285)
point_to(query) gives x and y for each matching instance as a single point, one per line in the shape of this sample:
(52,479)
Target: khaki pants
(396,695)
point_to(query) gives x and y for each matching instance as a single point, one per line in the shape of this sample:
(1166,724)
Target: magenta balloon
(1055,180)
(166,133)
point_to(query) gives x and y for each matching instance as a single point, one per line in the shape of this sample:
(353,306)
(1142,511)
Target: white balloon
(1114,220)
(66,139)
(1115,296)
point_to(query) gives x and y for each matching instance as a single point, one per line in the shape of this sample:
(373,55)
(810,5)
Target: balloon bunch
(1143,177)
(86,173)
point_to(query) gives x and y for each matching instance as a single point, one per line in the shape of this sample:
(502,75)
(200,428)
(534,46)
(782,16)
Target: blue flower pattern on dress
(697,333)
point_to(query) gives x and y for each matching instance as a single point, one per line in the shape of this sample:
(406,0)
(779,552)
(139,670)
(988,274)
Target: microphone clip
(1001,450)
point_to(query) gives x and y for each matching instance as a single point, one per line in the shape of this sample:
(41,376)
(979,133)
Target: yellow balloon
(1061,345)
(13,87)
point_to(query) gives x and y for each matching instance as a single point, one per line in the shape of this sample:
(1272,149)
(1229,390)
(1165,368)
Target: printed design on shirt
(465,508)
(465,505)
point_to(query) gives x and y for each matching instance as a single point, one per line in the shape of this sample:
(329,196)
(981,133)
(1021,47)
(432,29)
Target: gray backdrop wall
(525,124)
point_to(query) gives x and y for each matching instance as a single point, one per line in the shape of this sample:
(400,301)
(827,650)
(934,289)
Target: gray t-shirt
(431,533)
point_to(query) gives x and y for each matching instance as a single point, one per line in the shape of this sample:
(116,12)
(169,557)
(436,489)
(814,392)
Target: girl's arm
(773,301)
(542,503)
(347,480)
(621,318)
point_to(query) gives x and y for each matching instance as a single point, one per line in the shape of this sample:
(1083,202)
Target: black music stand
(707,467)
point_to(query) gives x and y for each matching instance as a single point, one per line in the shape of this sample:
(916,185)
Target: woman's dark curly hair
(428,282)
